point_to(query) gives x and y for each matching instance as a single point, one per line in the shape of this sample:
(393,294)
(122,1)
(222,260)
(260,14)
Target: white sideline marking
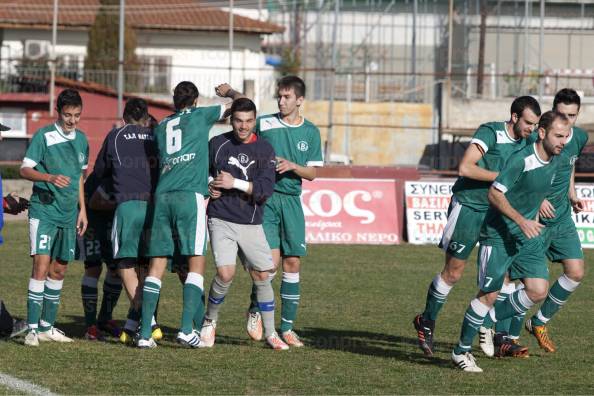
(24,386)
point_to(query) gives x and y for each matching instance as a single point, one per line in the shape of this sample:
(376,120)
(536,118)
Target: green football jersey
(526,181)
(300,144)
(54,152)
(497,146)
(558,196)
(182,141)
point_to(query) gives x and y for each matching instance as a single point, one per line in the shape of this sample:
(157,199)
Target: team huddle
(514,196)
(144,208)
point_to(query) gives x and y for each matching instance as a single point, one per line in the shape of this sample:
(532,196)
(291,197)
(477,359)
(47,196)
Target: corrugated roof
(141,14)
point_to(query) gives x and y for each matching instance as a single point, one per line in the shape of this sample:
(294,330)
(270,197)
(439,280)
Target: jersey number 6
(174,136)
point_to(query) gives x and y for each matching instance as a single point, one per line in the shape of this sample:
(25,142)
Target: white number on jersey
(174,136)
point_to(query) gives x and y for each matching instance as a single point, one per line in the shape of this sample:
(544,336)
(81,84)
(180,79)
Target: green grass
(355,316)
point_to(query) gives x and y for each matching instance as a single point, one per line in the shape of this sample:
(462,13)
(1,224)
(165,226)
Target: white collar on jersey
(538,157)
(69,136)
(278,115)
(507,132)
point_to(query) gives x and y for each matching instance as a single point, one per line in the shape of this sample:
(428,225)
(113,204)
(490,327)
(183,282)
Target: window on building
(155,73)
(16,119)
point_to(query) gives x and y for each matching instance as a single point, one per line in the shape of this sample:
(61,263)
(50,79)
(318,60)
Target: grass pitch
(355,317)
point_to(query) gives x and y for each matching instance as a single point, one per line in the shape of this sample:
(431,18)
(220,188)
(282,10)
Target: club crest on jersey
(81,158)
(243,158)
(302,146)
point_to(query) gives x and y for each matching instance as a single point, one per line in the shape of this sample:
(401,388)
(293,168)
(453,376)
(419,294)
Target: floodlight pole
(121,59)
(330,135)
(52,87)
(230,40)
(541,52)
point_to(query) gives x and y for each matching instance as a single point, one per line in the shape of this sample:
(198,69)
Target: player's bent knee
(576,271)
(453,270)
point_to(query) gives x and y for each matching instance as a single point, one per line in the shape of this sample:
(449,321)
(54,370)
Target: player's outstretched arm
(225,91)
(497,199)
(468,166)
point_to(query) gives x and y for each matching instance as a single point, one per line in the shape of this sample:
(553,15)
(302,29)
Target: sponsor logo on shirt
(171,162)
(302,146)
(81,158)
(237,162)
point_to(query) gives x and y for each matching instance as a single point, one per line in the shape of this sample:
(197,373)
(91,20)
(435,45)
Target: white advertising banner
(427,206)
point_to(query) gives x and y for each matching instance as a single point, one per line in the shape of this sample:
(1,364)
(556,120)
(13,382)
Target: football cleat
(127,336)
(146,344)
(53,334)
(466,362)
(94,334)
(292,339)
(191,340)
(542,336)
(110,327)
(207,334)
(18,328)
(486,341)
(157,333)
(254,325)
(504,347)
(424,330)
(276,343)
(32,339)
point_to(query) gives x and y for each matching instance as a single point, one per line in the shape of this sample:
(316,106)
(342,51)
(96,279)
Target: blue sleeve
(264,178)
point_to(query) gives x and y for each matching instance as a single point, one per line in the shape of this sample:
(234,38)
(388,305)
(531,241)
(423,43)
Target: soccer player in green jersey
(492,144)
(297,144)
(55,160)
(511,237)
(178,224)
(561,239)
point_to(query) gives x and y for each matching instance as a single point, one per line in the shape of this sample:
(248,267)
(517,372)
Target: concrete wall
(389,133)
(470,113)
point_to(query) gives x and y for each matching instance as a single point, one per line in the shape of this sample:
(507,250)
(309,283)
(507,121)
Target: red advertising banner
(351,211)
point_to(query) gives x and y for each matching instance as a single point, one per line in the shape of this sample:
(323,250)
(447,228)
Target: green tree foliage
(101,64)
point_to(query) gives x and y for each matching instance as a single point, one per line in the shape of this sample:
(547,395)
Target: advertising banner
(351,211)
(426,210)
(427,205)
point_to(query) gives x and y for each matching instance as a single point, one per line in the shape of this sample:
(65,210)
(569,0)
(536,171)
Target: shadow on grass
(74,326)
(372,344)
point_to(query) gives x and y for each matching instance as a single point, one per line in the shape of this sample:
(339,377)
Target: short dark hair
(523,102)
(547,119)
(293,82)
(68,97)
(567,96)
(136,110)
(152,122)
(184,95)
(243,105)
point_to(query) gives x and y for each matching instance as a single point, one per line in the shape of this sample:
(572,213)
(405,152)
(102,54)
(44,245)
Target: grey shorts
(248,240)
